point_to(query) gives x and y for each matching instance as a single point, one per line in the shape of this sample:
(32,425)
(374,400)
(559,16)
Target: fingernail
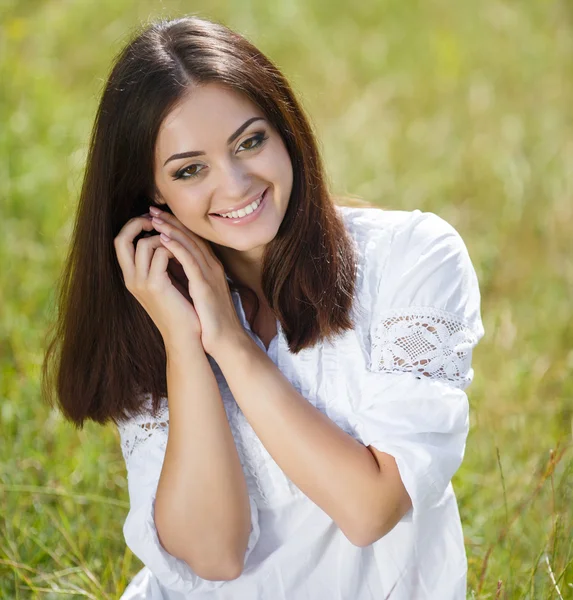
(154,211)
(165,238)
(146,215)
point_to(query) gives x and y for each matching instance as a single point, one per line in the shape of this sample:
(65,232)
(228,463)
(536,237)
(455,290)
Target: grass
(463,109)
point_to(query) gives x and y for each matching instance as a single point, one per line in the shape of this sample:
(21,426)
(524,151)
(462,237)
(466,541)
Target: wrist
(232,346)
(182,346)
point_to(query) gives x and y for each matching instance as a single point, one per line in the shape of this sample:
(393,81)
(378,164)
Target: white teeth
(243,212)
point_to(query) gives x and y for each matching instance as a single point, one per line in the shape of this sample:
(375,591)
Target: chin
(249,247)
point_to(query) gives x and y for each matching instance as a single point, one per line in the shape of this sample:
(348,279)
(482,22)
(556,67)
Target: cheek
(186,202)
(278,165)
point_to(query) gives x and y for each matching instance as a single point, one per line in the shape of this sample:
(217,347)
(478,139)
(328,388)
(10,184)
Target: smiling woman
(286,373)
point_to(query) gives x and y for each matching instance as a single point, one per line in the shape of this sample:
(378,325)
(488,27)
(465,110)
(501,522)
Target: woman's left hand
(208,287)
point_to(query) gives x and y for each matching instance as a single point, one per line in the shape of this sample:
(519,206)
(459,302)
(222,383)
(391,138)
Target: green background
(459,108)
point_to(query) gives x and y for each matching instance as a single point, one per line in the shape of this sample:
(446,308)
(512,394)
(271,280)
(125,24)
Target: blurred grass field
(461,108)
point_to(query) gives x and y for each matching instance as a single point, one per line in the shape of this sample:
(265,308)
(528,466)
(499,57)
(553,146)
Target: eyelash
(260,138)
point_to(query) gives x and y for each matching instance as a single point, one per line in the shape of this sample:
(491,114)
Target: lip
(246,203)
(248,218)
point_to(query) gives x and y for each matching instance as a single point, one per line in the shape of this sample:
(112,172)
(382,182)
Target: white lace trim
(141,428)
(425,341)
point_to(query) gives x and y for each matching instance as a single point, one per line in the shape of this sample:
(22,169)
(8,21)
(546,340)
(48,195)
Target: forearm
(202,508)
(329,466)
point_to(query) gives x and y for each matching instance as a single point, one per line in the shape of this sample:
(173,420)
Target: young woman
(287,374)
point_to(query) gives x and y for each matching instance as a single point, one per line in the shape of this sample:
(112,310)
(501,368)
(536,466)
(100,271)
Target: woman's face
(237,155)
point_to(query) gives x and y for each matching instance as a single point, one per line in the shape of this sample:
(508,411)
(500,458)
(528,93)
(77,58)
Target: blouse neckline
(274,343)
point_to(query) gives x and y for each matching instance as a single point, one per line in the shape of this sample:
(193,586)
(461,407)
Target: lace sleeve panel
(426,303)
(142,428)
(425,341)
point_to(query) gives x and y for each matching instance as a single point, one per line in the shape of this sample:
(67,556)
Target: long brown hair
(104,351)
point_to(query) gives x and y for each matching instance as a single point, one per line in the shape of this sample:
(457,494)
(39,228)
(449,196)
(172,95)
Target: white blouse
(396,382)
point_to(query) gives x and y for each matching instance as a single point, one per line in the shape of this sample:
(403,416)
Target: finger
(159,268)
(187,258)
(124,247)
(144,250)
(172,227)
(190,244)
(172,220)
(159,262)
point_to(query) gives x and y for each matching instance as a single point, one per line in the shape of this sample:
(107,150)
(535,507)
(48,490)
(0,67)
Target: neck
(242,267)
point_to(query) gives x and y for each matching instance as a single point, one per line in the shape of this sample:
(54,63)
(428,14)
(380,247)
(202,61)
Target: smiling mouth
(254,206)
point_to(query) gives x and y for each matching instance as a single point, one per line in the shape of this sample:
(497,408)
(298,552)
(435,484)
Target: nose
(234,182)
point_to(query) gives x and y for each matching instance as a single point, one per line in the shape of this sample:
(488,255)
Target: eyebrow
(230,140)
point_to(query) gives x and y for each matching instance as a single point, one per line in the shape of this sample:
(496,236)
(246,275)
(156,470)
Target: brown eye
(254,142)
(188,172)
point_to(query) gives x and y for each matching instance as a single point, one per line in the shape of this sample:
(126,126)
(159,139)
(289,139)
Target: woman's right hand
(144,266)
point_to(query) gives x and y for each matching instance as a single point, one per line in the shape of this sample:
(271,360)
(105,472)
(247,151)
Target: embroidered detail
(267,483)
(425,341)
(141,428)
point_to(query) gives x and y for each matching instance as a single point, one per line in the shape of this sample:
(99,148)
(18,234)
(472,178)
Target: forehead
(207,115)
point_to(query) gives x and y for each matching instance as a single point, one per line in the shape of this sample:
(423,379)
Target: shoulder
(372,231)
(410,227)
(389,241)
(365,222)
(413,258)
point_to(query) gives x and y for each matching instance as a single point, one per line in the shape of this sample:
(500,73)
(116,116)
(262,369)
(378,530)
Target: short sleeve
(424,322)
(143,444)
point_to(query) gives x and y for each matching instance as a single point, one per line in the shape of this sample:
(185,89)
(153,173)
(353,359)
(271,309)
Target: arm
(412,426)
(202,510)
(359,487)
